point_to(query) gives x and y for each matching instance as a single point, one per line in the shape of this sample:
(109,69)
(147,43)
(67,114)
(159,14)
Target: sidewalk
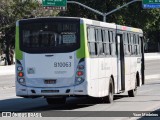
(7,70)
(10,70)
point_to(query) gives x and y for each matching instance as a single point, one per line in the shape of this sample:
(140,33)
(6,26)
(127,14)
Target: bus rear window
(49,37)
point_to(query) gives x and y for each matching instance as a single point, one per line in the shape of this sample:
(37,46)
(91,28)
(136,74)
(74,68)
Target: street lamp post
(87,7)
(101,13)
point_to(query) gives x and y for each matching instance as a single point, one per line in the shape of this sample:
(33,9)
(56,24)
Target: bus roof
(110,25)
(131,29)
(96,23)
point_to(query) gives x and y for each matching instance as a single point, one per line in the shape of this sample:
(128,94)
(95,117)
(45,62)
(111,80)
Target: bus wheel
(52,101)
(109,98)
(132,93)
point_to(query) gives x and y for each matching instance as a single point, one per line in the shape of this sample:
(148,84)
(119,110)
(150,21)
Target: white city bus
(60,57)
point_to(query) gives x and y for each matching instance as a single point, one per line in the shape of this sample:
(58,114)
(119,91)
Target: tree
(133,15)
(10,12)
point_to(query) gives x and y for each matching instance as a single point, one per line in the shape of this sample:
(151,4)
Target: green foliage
(13,10)
(10,12)
(133,15)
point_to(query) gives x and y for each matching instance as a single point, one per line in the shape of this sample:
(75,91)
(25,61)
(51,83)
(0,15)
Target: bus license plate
(50,81)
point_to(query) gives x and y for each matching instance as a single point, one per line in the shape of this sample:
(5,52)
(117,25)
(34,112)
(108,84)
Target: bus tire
(52,101)
(109,98)
(133,92)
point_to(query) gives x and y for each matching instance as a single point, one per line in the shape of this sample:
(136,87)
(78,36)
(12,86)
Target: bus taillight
(79,73)
(20,74)
(80,67)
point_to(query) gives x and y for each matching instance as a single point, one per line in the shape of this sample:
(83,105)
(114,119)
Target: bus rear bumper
(32,92)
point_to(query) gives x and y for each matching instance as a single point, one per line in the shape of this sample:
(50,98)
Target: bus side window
(96,41)
(137,45)
(140,40)
(110,41)
(91,41)
(128,42)
(132,44)
(106,42)
(99,42)
(114,43)
(126,50)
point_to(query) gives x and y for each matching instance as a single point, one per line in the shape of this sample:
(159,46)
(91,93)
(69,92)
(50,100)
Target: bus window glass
(140,45)
(91,41)
(135,44)
(100,46)
(128,41)
(132,44)
(114,44)
(126,48)
(106,42)
(110,42)
(49,36)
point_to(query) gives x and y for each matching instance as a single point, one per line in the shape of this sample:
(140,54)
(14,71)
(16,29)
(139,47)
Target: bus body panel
(54,66)
(114,73)
(131,69)
(62,84)
(136,65)
(99,73)
(49,65)
(128,73)
(41,89)
(133,72)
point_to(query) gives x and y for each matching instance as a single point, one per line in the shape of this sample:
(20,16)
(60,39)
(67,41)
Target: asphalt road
(147,99)
(152,67)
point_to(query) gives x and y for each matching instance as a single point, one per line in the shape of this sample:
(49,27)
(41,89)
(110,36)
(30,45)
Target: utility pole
(101,13)
(89,8)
